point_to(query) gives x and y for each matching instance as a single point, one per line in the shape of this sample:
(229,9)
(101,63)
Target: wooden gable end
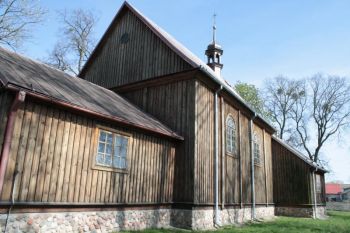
(129,52)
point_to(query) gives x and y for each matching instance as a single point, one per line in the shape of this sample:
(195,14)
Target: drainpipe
(216,148)
(314,191)
(12,198)
(253,217)
(20,97)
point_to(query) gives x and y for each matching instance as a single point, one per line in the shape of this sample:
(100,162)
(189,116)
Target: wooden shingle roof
(37,78)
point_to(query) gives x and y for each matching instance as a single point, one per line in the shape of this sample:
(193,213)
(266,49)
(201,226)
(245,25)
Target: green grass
(338,222)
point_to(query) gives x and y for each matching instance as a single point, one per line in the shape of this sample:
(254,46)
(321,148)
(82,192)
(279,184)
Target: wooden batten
(53,151)
(141,56)
(235,166)
(173,104)
(292,184)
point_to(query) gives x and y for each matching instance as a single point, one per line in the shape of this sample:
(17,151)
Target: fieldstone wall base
(108,221)
(301,212)
(204,219)
(102,221)
(321,212)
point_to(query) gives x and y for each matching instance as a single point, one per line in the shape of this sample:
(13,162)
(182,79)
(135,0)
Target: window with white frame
(112,150)
(256,149)
(230,135)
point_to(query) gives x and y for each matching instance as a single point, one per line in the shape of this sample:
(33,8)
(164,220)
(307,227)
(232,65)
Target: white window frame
(231,136)
(256,149)
(97,151)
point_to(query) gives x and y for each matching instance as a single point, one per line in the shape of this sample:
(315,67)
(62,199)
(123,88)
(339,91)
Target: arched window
(256,148)
(230,135)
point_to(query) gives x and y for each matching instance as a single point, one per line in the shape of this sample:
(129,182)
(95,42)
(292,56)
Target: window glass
(256,148)
(230,135)
(112,150)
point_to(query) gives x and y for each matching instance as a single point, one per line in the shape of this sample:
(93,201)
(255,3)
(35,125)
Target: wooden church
(147,136)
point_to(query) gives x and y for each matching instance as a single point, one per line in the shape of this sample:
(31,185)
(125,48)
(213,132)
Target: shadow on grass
(338,222)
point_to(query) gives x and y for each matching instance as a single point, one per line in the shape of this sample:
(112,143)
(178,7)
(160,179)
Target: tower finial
(214,28)
(214,52)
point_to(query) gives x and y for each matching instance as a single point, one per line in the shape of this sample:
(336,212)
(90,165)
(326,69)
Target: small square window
(112,150)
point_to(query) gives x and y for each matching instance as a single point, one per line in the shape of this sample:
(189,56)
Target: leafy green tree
(252,95)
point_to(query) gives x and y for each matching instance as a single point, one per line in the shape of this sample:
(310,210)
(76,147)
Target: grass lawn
(338,222)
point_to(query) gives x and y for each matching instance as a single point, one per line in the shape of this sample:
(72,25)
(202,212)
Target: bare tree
(279,98)
(320,111)
(17,18)
(76,41)
(58,58)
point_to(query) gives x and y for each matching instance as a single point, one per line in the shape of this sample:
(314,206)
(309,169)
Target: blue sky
(261,39)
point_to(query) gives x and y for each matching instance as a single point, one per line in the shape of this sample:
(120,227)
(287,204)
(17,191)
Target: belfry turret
(214,52)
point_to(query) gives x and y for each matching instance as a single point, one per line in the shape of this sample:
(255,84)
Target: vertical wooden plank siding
(6,100)
(292,184)
(144,56)
(52,150)
(259,171)
(268,166)
(235,166)
(232,169)
(173,104)
(5,105)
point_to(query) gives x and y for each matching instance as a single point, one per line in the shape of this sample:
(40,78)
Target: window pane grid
(230,135)
(256,149)
(112,150)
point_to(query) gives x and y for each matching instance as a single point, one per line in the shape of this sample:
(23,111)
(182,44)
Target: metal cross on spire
(214,28)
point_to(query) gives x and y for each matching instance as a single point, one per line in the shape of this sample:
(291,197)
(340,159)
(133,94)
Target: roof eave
(237,97)
(299,155)
(72,106)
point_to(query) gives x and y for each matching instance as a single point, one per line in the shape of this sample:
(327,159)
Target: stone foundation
(204,219)
(321,212)
(300,212)
(102,221)
(107,221)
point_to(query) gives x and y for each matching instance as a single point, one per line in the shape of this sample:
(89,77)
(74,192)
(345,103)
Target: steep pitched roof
(177,47)
(299,154)
(37,78)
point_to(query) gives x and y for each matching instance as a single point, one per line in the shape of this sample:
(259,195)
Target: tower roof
(214,45)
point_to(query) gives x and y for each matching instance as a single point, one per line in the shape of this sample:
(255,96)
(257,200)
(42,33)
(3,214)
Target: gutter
(253,216)
(217,221)
(20,98)
(239,98)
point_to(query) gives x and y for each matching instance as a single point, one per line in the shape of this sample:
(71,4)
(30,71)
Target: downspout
(253,217)
(216,152)
(223,150)
(240,161)
(12,198)
(20,97)
(314,191)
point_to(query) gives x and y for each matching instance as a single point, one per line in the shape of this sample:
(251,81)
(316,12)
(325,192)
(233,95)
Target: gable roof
(40,80)
(299,154)
(178,48)
(334,189)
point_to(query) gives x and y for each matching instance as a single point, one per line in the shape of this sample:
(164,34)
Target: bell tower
(214,52)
